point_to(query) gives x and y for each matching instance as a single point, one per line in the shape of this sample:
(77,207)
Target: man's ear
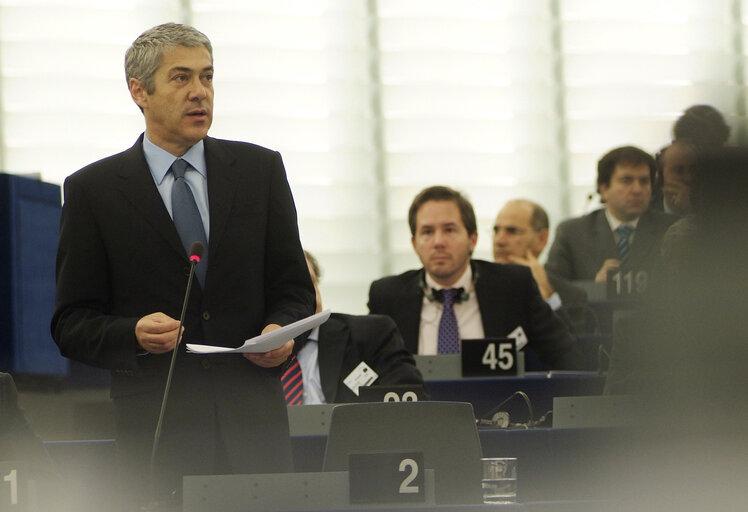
(473,242)
(138,93)
(542,241)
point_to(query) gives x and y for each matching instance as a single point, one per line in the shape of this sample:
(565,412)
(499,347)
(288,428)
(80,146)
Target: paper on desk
(268,341)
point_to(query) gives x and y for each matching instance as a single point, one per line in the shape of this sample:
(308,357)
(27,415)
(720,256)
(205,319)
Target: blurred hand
(602,274)
(538,272)
(274,357)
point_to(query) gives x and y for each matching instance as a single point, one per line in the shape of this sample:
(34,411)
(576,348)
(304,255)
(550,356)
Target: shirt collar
(615,223)
(159,160)
(465,281)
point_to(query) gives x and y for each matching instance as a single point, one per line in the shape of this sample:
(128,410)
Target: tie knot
(448,295)
(624,231)
(179,167)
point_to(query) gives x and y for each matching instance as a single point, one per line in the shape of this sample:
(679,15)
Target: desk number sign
(626,283)
(12,486)
(489,357)
(387,477)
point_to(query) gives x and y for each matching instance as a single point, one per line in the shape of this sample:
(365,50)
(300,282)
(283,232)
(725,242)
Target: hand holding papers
(268,341)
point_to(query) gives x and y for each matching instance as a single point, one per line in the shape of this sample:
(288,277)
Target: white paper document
(268,341)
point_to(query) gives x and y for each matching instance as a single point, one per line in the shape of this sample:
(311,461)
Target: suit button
(205,363)
(206,315)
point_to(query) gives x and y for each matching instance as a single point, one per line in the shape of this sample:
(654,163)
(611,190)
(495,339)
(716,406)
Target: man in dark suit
(122,268)
(622,233)
(520,233)
(347,345)
(490,299)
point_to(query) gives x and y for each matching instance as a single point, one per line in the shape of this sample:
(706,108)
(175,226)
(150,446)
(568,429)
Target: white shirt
(469,321)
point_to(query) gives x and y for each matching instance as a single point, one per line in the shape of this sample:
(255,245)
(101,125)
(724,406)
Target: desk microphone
(497,418)
(196,254)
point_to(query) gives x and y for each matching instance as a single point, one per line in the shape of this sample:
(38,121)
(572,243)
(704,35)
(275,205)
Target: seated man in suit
(345,345)
(624,232)
(454,297)
(520,233)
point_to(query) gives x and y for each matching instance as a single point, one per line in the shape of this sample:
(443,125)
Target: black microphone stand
(196,252)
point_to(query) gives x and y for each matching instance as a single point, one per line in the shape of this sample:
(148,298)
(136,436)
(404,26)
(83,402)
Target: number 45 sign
(490,356)
(12,486)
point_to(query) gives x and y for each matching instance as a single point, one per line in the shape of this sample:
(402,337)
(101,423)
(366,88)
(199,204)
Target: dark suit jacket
(582,244)
(508,297)
(575,310)
(120,258)
(346,340)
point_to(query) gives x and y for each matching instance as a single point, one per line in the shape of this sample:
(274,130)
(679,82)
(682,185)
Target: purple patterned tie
(449,334)
(293,383)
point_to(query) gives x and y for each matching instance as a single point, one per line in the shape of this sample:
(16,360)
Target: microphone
(196,254)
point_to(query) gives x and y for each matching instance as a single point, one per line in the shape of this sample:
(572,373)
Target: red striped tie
(293,384)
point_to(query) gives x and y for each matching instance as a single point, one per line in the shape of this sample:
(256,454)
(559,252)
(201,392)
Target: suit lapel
(644,237)
(137,186)
(222,178)
(607,244)
(333,337)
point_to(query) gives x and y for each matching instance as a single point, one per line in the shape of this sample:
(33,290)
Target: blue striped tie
(624,233)
(187,217)
(449,333)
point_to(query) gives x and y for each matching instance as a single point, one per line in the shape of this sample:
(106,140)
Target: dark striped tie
(449,333)
(624,233)
(293,383)
(187,217)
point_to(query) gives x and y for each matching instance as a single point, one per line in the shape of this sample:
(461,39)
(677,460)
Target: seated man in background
(520,233)
(624,232)
(454,297)
(345,345)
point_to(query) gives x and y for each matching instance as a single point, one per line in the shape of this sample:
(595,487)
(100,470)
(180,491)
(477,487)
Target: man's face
(627,195)
(678,170)
(179,112)
(442,241)
(513,234)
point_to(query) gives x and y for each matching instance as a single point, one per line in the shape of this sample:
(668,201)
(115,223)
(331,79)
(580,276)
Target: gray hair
(143,57)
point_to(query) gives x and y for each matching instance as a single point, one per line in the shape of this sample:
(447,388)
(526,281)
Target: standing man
(453,297)
(621,233)
(346,346)
(122,267)
(520,233)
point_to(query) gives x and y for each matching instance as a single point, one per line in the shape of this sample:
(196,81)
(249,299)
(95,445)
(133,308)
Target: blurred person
(471,299)
(20,445)
(346,344)
(622,232)
(684,356)
(520,233)
(122,264)
(704,125)
(700,128)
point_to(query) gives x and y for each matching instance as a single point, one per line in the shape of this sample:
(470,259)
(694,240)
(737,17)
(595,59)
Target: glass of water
(499,479)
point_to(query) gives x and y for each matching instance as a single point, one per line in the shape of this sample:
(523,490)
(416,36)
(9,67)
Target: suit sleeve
(81,325)
(289,294)
(560,260)
(384,349)
(549,336)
